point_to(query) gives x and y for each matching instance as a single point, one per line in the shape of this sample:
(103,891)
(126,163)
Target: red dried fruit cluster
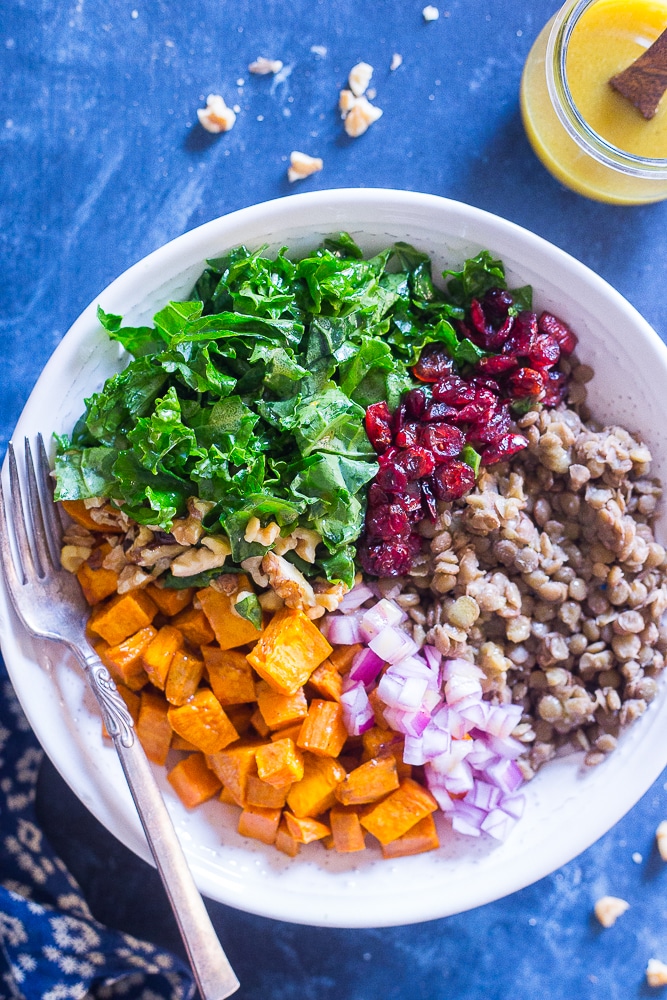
(420,444)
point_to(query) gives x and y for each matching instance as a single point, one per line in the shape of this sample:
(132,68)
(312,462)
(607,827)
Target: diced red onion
(435,741)
(467,819)
(460,779)
(483,795)
(458,687)
(413,752)
(505,774)
(441,796)
(365,666)
(497,824)
(358,714)
(392,644)
(475,714)
(356,597)
(410,723)
(461,668)
(505,747)
(480,755)
(433,657)
(376,619)
(502,719)
(513,805)
(341,630)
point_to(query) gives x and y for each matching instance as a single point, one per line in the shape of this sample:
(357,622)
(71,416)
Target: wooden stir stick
(644,82)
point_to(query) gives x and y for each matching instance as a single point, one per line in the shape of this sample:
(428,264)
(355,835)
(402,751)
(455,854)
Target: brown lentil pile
(548,576)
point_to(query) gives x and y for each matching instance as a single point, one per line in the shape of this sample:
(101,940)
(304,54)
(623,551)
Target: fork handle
(212,971)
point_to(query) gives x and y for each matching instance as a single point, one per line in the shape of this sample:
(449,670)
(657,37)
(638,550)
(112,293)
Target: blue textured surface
(102,161)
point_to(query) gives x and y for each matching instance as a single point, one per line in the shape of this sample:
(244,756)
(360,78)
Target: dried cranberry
(387,457)
(525,382)
(415,543)
(387,522)
(522,337)
(398,419)
(434,362)
(497,302)
(377,496)
(555,389)
(452,480)
(453,390)
(560,331)
(497,364)
(428,498)
(378,426)
(415,403)
(386,558)
(478,319)
(438,411)
(490,430)
(391,479)
(489,384)
(410,500)
(545,352)
(472,413)
(408,435)
(415,463)
(503,448)
(443,440)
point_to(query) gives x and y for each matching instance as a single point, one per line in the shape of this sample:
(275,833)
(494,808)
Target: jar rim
(571,118)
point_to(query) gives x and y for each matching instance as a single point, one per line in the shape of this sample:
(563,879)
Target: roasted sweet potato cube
(193,781)
(96,584)
(240,716)
(279,763)
(369,782)
(261,824)
(420,838)
(194,626)
(170,600)
(281,710)
(378,707)
(178,743)
(258,723)
(230,675)
(203,722)
(304,829)
(125,659)
(185,673)
(314,794)
(288,651)
(395,815)
(291,731)
(261,793)
(153,728)
(160,652)
(227,797)
(323,731)
(122,616)
(233,766)
(228,627)
(285,842)
(326,680)
(380,742)
(77,510)
(341,657)
(346,830)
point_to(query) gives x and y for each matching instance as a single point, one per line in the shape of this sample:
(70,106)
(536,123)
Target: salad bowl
(568,807)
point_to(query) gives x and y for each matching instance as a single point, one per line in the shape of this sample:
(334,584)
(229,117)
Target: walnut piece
(288,582)
(359,78)
(212,555)
(216,116)
(608,909)
(263,66)
(302,165)
(656,972)
(661,839)
(360,114)
(396,61)
(73,556)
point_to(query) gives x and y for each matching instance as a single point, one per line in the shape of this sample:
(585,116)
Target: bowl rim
(339,204)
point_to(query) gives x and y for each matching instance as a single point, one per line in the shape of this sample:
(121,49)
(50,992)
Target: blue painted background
(101,161)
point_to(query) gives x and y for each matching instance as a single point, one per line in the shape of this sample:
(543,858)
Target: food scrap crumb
(430,13)
(637,858)
(396,61)
(216,116)
(356,110)
(656,972)
(609,908)
(263,66)
(302,165)
(661,839)
(319,50)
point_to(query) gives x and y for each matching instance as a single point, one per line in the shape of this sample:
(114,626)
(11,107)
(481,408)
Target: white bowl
(567,810)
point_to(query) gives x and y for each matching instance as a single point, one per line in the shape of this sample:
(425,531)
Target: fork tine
(14,575)
(42,554)
(27,565)
(52,514)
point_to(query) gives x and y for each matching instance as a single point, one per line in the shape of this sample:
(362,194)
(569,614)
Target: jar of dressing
(586,134)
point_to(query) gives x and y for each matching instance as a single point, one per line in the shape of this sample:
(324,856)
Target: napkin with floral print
(51,948)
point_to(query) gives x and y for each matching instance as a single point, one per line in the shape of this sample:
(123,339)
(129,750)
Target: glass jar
(585,133)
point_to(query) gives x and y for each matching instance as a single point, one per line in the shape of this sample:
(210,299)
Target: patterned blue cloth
(51,948)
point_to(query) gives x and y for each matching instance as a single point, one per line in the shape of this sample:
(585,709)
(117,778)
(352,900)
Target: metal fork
(49,602)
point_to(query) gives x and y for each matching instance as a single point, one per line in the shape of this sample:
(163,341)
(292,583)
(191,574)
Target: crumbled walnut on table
(609,908)
(661,839)
(396,61)
(359,78)
(263,66)
(430,13)
(216,116)
(656,972)
(302,165)
(360,117)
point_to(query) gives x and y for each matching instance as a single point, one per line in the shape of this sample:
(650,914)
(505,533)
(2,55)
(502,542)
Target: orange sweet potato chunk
(279,763)
(261,793)
(203,721)
(314,794)
(169,600)
(234,765)
(369,782)
(380,742)
(122,616)
(288,651)
(77,510)
(291,731)
(153,728)
(230,675)
(281,710)
(96,584)
(258,723)
(342,656)
(240,716)
(185,673)
(395,815)
(261,824)
(125,659)
(346,830)
(229,628)
(193,781)
(420,838)
(194,626)
(327,681)
(304,829)
(323,731)
(285,842)
(160,652)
